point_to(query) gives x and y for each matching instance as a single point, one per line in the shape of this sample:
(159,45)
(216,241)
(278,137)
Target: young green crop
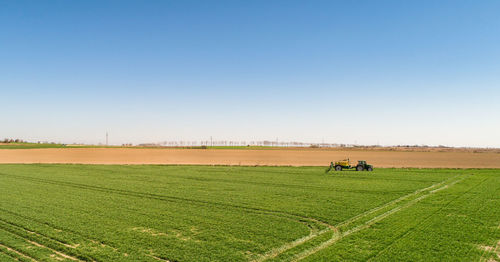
(29,145)
(223,213)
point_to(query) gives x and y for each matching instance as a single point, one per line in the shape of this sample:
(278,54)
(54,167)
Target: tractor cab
(362,165)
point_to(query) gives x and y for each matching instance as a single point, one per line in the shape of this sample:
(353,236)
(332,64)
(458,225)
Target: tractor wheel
(338,168)
(370,169)
(359,168)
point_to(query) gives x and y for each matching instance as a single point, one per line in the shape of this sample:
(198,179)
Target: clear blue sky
(387,72)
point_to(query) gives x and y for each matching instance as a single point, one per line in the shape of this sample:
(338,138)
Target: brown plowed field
(291,157)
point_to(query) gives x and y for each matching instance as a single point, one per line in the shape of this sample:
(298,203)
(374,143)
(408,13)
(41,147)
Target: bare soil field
(282,157)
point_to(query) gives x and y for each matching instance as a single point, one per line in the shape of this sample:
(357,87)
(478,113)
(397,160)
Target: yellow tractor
(346,164)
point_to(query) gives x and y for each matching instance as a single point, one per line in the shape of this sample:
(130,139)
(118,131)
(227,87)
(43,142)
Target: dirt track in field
(290,157)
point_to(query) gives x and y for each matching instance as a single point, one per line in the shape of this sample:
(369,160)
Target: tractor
(346,164)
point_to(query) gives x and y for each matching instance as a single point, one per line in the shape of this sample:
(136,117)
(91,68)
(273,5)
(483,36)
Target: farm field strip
(344,229)
(312,233)
(251,157)
(312,224)
(206,213)
(315,226)
(273,253)
(130,193)
(59,247)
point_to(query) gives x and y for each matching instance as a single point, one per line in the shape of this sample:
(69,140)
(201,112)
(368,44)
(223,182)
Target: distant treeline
(225,143)
(10,140)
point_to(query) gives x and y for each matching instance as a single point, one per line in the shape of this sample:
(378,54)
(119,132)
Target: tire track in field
(19,253)
(158,258)
(426,219)
(41,245)
(287,246)
(7,253)
(67,231)
(4,225)
(393,202)
(53,250)
(99,243)
(4,221)
(367,224)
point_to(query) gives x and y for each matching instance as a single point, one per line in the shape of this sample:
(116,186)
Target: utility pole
(106,138)
(211,141)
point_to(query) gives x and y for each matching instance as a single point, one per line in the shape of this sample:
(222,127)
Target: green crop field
(29,146)
(221,213)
